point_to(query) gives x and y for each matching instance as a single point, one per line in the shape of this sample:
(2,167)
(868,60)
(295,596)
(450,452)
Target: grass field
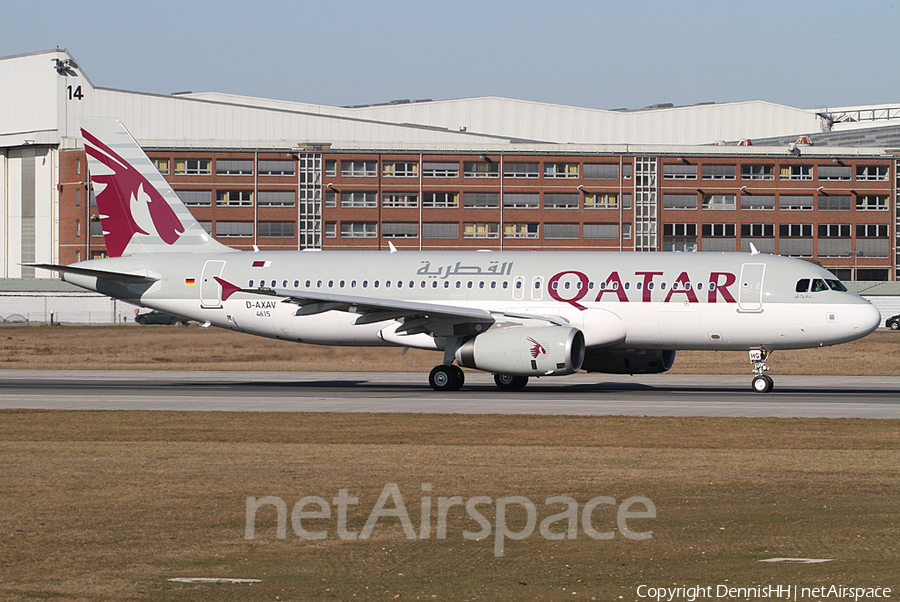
(110,505)
(195,348)
(101,506)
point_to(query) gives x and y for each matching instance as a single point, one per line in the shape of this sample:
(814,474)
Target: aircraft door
(750,296)
(210,290)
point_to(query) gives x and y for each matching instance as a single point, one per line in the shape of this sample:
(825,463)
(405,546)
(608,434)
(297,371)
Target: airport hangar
(477,173)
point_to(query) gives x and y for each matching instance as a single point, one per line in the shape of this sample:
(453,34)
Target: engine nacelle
(525,351)
(629,361)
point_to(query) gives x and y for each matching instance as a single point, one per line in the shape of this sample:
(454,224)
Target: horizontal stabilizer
(116,276)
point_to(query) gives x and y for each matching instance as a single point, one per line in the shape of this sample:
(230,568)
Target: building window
(834,230)
(440,170)
(757,172)
(521,170)
(560,201)
(359,169)
(206,226)
(872,173)
(400,199)
(330,230)
(276,167)
(835,202)
(440,200)
(719,201)
(437,230)
(277,198)
(601,201)
(872,240)
(560,170)
(837,173)
(791,202)
(162,165)
(718,238)
(193,167)
(96,228)
(400,170)
(359,199)
(481,230)
(601,231)
(234,198)
(601,171)
(78,197)
(230,167)
(478,169)
(757,230)
(795,230)
(195,198)
(718,230)
(481,200)
(276,229)
(560,231)
(796,172)
(330,199)
(757,202)
(719,172)
(871,231)
(331,168)
(234,229)
(679,201)
(520,230)
(78,228)
(626,231)
(521,200)
(679,171)
(680,237)
(359,230)
(871,203)
(400,230)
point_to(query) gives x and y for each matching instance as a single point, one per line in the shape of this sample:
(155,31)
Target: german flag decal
(189,282)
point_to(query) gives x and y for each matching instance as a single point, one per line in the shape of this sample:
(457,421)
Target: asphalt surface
(582,394)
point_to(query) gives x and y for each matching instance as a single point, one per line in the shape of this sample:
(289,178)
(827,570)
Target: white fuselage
(722,301)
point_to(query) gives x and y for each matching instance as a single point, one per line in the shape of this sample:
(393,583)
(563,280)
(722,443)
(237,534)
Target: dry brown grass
(109,505)
(194,348)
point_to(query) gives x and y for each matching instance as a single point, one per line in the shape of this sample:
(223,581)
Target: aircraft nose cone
(869,319)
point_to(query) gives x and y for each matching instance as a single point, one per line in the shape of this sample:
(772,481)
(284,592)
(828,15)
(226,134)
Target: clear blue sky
(593,54)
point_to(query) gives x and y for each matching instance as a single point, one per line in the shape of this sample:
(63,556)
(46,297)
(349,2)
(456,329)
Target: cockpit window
(818,285)
(837,285)
(802,285)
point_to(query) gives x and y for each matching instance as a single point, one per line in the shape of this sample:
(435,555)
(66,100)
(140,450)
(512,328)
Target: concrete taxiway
(581,394)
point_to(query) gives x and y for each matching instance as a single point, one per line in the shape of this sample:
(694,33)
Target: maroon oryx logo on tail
(126,191)
(537,349)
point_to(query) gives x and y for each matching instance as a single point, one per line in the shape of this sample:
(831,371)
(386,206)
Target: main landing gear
(762,382)
(508,382)
(446,378)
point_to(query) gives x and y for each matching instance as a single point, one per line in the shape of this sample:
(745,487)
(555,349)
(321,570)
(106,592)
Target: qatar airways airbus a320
(513,314)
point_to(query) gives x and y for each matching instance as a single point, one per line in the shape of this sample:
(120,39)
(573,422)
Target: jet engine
(525,351)
(629,361)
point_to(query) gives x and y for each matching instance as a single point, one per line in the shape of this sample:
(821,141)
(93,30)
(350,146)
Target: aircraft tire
(762,384)
(895,325)
(446,378)
(508,382)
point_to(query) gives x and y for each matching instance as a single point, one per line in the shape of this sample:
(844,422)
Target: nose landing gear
(762,382)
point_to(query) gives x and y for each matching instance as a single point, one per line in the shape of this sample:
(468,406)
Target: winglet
(228,289)
(753,249)
(393,248)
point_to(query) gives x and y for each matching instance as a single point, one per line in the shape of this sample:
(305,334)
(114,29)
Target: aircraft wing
(417,317)
(115,276)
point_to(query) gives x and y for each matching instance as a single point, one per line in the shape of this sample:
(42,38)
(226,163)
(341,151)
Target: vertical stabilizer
(139,211)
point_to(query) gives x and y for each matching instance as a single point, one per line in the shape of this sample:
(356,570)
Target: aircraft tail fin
(139,211)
